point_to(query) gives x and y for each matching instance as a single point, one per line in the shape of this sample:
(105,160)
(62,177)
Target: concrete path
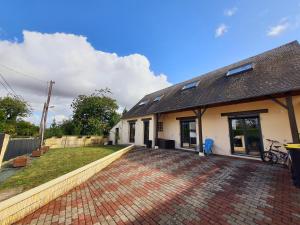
(175,187)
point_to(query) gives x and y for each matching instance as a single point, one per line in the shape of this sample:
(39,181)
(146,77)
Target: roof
(275,71)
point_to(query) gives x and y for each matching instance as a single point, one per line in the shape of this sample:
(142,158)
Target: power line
(22,73)
(13,93)
(7,84)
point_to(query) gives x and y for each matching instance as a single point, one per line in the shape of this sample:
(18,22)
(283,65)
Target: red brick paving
(175,187)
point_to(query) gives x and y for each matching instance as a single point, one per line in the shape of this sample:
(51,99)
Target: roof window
(190,85)
(158,98)
(240,69)
(144,102)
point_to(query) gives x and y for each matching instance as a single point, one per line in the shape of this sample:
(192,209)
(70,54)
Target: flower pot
(45,149)
(36,153)
(20,161)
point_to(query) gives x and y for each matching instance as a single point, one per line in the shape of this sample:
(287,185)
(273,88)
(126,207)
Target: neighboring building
(239,106)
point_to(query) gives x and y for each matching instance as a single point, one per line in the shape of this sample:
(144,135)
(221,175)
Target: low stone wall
(74,141)
(17,207)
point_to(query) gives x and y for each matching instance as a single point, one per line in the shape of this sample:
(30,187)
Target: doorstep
(245,157)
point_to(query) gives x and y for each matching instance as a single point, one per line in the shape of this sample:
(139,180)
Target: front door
(146,131)
(245,135)
(188,133)
(117,136)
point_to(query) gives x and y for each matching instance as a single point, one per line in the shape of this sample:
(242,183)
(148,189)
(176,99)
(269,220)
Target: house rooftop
(271,73)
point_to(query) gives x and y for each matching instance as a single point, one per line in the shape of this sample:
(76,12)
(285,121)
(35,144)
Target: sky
(133,47)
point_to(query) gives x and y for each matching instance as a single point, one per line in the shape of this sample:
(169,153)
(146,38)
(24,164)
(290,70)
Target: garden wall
(74,141)
(17,207)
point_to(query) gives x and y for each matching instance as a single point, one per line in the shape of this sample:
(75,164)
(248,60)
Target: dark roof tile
(275,71)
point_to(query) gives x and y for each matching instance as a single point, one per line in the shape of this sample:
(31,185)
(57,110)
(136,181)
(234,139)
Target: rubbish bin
(294,150)
(149,144)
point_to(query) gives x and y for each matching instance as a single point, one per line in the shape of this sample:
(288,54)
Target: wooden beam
(199,113)
(245,113)
(145,119)
(131,121)
(292,119)
(187,118)
(279,103)
(156,128)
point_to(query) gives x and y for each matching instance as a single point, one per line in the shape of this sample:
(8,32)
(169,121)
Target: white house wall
(123,126)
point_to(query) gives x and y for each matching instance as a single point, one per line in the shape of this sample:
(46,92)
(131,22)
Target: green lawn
(55,163)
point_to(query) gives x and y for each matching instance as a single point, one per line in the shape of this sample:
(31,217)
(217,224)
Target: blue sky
(72,43)
(178,37)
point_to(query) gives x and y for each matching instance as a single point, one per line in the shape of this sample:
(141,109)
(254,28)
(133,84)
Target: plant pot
(20,161)
(36,153)
(45,149)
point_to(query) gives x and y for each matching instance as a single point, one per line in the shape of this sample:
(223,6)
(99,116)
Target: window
(131,132)
(240,69)
(160,126)
(190,85)
(143,102)
(158,98)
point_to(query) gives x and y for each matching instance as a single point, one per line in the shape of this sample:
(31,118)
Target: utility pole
(45,113)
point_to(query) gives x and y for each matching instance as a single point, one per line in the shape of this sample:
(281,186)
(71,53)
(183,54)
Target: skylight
(144,102)
(190,85)
(240,69)
(158,98)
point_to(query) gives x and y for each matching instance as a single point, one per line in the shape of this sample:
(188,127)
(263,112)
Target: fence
(22,146)
(74,141)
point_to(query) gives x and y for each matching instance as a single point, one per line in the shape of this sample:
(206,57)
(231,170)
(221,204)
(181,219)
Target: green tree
(54,130)
(13,108)
(69,127)
(95,113)
(24,128)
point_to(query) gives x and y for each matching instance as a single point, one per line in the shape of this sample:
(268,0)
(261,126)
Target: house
(239,106)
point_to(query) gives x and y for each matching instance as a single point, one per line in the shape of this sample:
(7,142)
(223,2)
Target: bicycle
(274,156)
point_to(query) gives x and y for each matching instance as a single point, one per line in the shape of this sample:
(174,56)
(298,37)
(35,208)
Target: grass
(55,163)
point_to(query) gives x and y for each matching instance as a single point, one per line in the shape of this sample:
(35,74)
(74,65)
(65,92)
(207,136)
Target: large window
(131,132)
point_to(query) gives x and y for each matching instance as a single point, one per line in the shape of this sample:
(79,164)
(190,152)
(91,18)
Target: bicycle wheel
(270,157)
(267,157)
(274,158)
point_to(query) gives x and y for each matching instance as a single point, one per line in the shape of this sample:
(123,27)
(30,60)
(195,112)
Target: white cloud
(77,68)
(221,30)
(278,29)
(231,11)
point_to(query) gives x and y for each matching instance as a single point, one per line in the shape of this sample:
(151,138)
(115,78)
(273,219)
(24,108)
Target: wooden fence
(20,146)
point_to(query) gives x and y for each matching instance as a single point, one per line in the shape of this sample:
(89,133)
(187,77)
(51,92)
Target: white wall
(274,125)
(123,126)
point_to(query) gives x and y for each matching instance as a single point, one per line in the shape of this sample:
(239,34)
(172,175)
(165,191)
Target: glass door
(131,132)
(188,133)
(245,136)
(146,131)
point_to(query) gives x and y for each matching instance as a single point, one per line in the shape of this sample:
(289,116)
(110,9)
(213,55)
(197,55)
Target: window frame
(240,69)
(190,85)
(158,98)
(160,126)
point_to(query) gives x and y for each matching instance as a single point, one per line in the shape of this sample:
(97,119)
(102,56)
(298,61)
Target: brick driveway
(175,187)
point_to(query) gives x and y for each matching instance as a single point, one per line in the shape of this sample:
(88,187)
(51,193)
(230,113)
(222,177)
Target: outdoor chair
(207,146)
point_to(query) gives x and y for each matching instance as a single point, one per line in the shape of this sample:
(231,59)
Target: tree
(69,127)
(95,113)
(24,128)
(54,130)
(13,108)
(124,111)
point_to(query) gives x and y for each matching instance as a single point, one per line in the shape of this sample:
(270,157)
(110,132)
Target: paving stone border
(17,207)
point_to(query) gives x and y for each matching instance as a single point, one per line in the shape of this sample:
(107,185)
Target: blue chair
(208,145)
